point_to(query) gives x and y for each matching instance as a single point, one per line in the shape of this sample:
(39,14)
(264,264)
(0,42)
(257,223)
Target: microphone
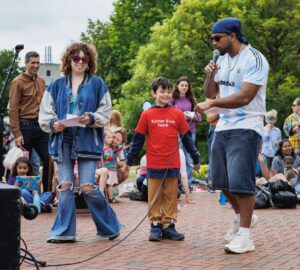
(19,47)
(216,54)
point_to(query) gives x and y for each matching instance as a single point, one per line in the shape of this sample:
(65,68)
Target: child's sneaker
(155,232)
(46,208)
(171,233)
(55,202)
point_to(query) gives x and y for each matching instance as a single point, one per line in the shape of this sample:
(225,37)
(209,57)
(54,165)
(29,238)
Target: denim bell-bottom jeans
(104,217)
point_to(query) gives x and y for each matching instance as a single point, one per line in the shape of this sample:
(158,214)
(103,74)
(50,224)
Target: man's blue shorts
(233,160)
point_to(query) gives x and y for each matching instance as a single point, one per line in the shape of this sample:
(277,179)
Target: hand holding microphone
(212,64)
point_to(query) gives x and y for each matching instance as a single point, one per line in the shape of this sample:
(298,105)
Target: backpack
(262,197)
(283,195)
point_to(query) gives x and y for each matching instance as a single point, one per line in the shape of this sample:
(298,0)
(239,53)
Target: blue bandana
(229,26)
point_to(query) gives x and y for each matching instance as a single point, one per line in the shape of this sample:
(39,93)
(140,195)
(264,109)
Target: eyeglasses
(217,38)
(77,58)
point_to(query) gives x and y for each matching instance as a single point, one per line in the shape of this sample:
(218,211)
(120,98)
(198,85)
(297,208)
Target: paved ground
(204,224)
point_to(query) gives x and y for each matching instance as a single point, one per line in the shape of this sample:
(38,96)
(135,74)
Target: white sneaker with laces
(240,244)
(235,228)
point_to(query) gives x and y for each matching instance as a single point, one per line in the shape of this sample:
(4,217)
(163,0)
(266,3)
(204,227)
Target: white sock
(244,231)
(238,217)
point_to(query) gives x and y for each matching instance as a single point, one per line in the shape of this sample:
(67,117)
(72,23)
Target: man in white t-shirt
(239,76)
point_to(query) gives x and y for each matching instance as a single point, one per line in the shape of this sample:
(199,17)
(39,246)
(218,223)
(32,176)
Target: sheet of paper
(217,110)
(72,121)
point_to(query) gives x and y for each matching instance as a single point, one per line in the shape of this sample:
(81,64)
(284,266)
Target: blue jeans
(45,197)
(104,217)
(35,161)
(139,181)
(188,160)
(233,160)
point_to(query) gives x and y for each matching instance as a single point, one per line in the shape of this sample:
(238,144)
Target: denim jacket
(93,97)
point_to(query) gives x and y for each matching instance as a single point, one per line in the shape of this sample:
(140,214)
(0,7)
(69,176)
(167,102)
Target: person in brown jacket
(25,95)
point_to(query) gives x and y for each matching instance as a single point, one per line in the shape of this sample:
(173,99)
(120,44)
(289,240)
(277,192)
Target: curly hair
(189,94)
(22,160)
(75,49)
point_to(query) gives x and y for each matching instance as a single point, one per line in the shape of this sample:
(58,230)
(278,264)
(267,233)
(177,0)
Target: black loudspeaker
(10,226)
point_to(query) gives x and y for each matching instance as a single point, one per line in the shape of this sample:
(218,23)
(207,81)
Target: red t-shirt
(161,126)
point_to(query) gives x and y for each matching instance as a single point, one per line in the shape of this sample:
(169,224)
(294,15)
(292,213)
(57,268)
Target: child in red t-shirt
(161,125)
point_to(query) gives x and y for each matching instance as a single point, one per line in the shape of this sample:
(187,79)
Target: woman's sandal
(113,200)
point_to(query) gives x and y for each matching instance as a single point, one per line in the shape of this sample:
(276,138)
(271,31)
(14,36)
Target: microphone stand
(18,48)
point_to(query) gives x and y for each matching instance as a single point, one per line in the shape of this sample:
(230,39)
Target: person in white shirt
(240,78)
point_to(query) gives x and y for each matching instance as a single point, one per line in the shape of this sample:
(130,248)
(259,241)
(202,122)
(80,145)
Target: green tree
(6,57)
(97,34)
(119,41)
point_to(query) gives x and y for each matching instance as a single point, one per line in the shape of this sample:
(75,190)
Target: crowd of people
(92,154)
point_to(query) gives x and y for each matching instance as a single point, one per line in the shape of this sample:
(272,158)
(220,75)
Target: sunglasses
(77,58)
(217,38)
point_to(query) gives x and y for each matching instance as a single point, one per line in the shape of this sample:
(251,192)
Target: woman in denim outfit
(79,93)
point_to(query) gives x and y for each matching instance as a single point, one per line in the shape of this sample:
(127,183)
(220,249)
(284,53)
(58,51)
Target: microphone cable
(173,155)
(30,258)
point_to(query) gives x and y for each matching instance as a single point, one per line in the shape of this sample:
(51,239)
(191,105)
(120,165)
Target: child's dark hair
(189,94)
(22,160)
(161,81)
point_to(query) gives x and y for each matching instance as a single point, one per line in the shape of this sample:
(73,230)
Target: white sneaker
(240,244)
(235,228)
(232,231)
